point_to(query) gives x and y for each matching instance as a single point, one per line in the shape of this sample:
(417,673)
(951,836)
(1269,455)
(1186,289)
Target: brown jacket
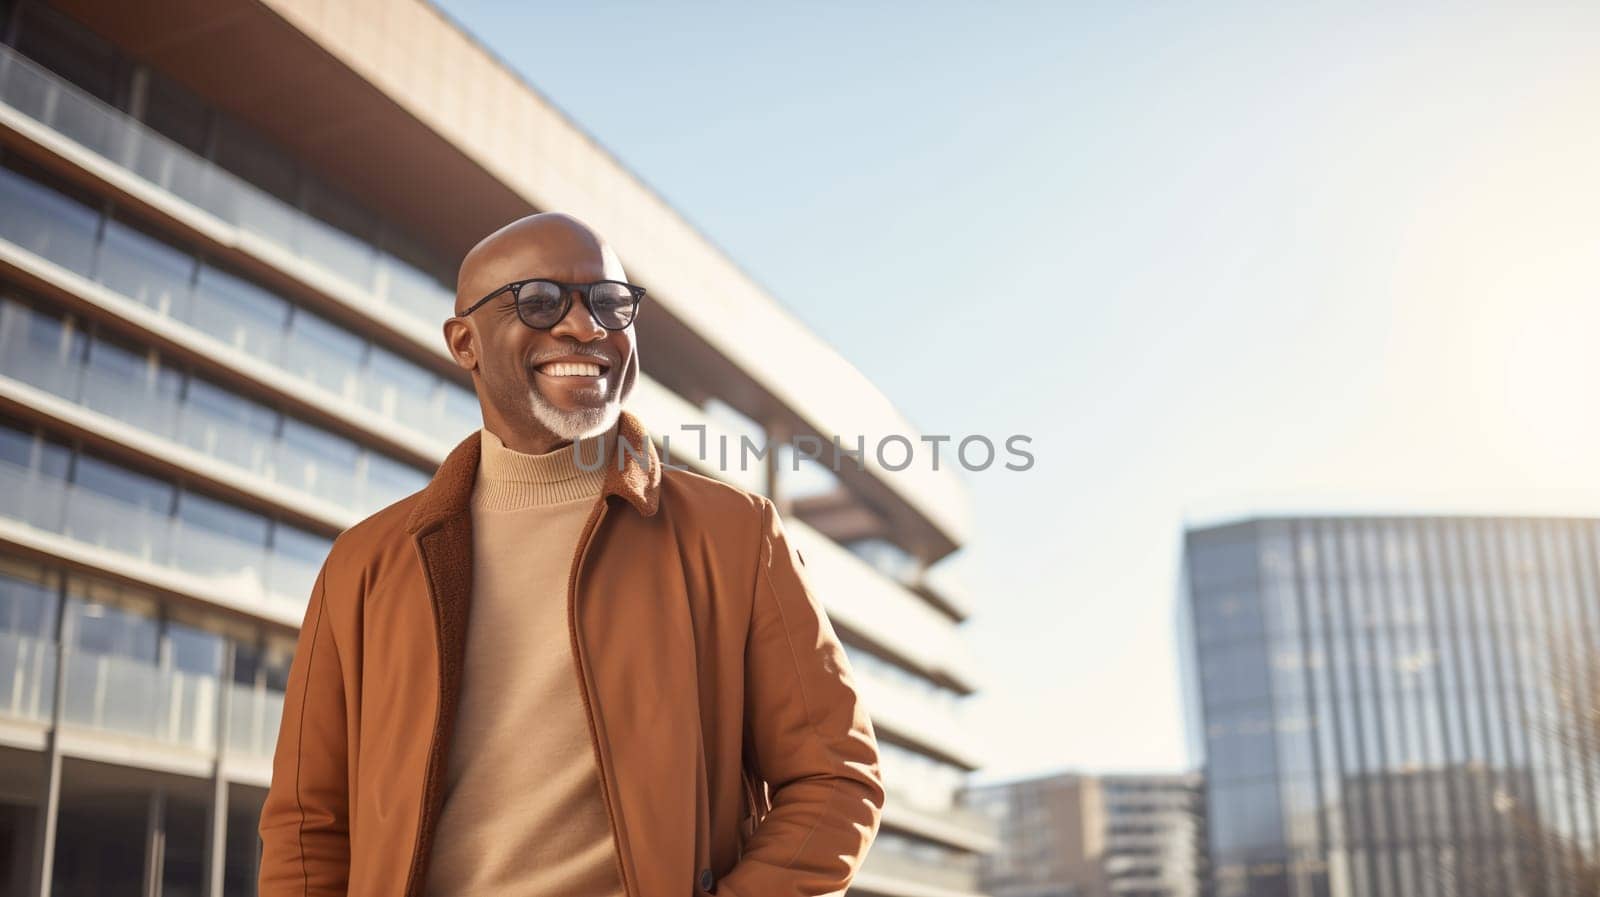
(735,755)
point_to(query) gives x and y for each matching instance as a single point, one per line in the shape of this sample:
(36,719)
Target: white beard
(575,425)
(589,423)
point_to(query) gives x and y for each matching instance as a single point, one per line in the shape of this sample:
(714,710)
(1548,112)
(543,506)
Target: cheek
(504,376)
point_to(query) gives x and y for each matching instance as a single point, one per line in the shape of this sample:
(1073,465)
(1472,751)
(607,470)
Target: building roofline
(981,783)
(1221,522)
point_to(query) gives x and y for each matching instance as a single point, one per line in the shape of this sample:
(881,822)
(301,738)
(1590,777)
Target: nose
(579,323)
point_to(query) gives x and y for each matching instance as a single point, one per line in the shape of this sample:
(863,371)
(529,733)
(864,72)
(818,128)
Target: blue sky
(1213,260)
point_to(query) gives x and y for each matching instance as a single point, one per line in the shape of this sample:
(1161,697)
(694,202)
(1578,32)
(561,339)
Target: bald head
(550,244)
(541,386)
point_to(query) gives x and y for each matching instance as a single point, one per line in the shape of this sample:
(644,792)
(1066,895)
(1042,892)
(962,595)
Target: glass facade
(77,86)
(106,631)
(59,489)
(1386,704)
(75,360)
(50,219)
(143,672)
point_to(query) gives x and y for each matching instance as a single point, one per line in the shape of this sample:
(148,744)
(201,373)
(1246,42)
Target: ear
(462,342)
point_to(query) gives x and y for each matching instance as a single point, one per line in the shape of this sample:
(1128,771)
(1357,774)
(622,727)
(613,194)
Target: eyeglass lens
(541,304)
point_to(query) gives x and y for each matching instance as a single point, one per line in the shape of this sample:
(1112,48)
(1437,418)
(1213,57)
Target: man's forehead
(547,245)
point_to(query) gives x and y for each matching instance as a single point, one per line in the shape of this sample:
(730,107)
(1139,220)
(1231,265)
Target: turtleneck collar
(508,479)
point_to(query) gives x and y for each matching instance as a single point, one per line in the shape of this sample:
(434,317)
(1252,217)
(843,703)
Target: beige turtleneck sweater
(523,813)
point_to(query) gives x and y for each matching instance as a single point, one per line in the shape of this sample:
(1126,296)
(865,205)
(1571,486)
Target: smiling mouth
(572,369)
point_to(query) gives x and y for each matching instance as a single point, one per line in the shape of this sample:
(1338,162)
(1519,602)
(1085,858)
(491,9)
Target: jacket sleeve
(305,819)
(809,735)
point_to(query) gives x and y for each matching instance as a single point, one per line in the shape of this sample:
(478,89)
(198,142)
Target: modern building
(228,237)
(1072,835)
(1397,706)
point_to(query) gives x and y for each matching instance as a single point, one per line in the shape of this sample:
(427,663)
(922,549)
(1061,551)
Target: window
(393,387)
(147,493)
(211,516)
(886,557)
(323,353)
(115,360)
(215,407)
(300,545)
(101,621)
(195,650)
(177,114)
(226,426)
(238,312)
(462,409)
(388,480)
(51,39)
(144,268)
(316,460)
(45,217)
(27,599)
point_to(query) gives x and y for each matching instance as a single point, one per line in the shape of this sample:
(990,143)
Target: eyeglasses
(542,303)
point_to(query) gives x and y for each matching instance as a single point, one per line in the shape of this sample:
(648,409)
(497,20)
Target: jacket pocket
(755,806)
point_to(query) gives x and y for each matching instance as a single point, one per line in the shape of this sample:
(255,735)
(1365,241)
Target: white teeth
(570,369)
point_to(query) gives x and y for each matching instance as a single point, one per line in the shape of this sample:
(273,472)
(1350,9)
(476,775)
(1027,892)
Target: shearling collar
(635,475)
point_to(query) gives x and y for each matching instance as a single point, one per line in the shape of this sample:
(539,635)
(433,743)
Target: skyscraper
(228,236)
(1397,706)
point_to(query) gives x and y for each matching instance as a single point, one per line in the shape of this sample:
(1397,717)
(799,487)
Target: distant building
(1396,706)
(1092,836)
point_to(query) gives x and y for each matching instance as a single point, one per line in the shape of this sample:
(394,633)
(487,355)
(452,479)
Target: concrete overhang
(396,105)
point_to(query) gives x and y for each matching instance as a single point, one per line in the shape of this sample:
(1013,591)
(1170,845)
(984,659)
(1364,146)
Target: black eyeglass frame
(567,289)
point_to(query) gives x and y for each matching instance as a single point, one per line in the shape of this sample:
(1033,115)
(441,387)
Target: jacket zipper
(583,687)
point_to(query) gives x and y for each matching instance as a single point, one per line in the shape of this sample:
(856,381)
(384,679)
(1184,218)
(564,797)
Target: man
(538,679)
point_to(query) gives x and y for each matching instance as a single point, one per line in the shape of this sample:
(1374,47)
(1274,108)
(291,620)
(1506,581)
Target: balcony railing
(27,676)
(55,103)
(123,695)
(912,711)
(253,719)
(109,693)
(161,412)
(951,824)
(219,307)
(884,860)
(244,571)
(862,598)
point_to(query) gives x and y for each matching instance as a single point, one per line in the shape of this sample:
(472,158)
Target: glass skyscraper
(1394,706)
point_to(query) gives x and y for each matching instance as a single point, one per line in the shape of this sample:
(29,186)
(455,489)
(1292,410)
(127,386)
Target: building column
(256,693)
(155,842)
(216,861)
(777,437)
(44,841)
(138,94)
